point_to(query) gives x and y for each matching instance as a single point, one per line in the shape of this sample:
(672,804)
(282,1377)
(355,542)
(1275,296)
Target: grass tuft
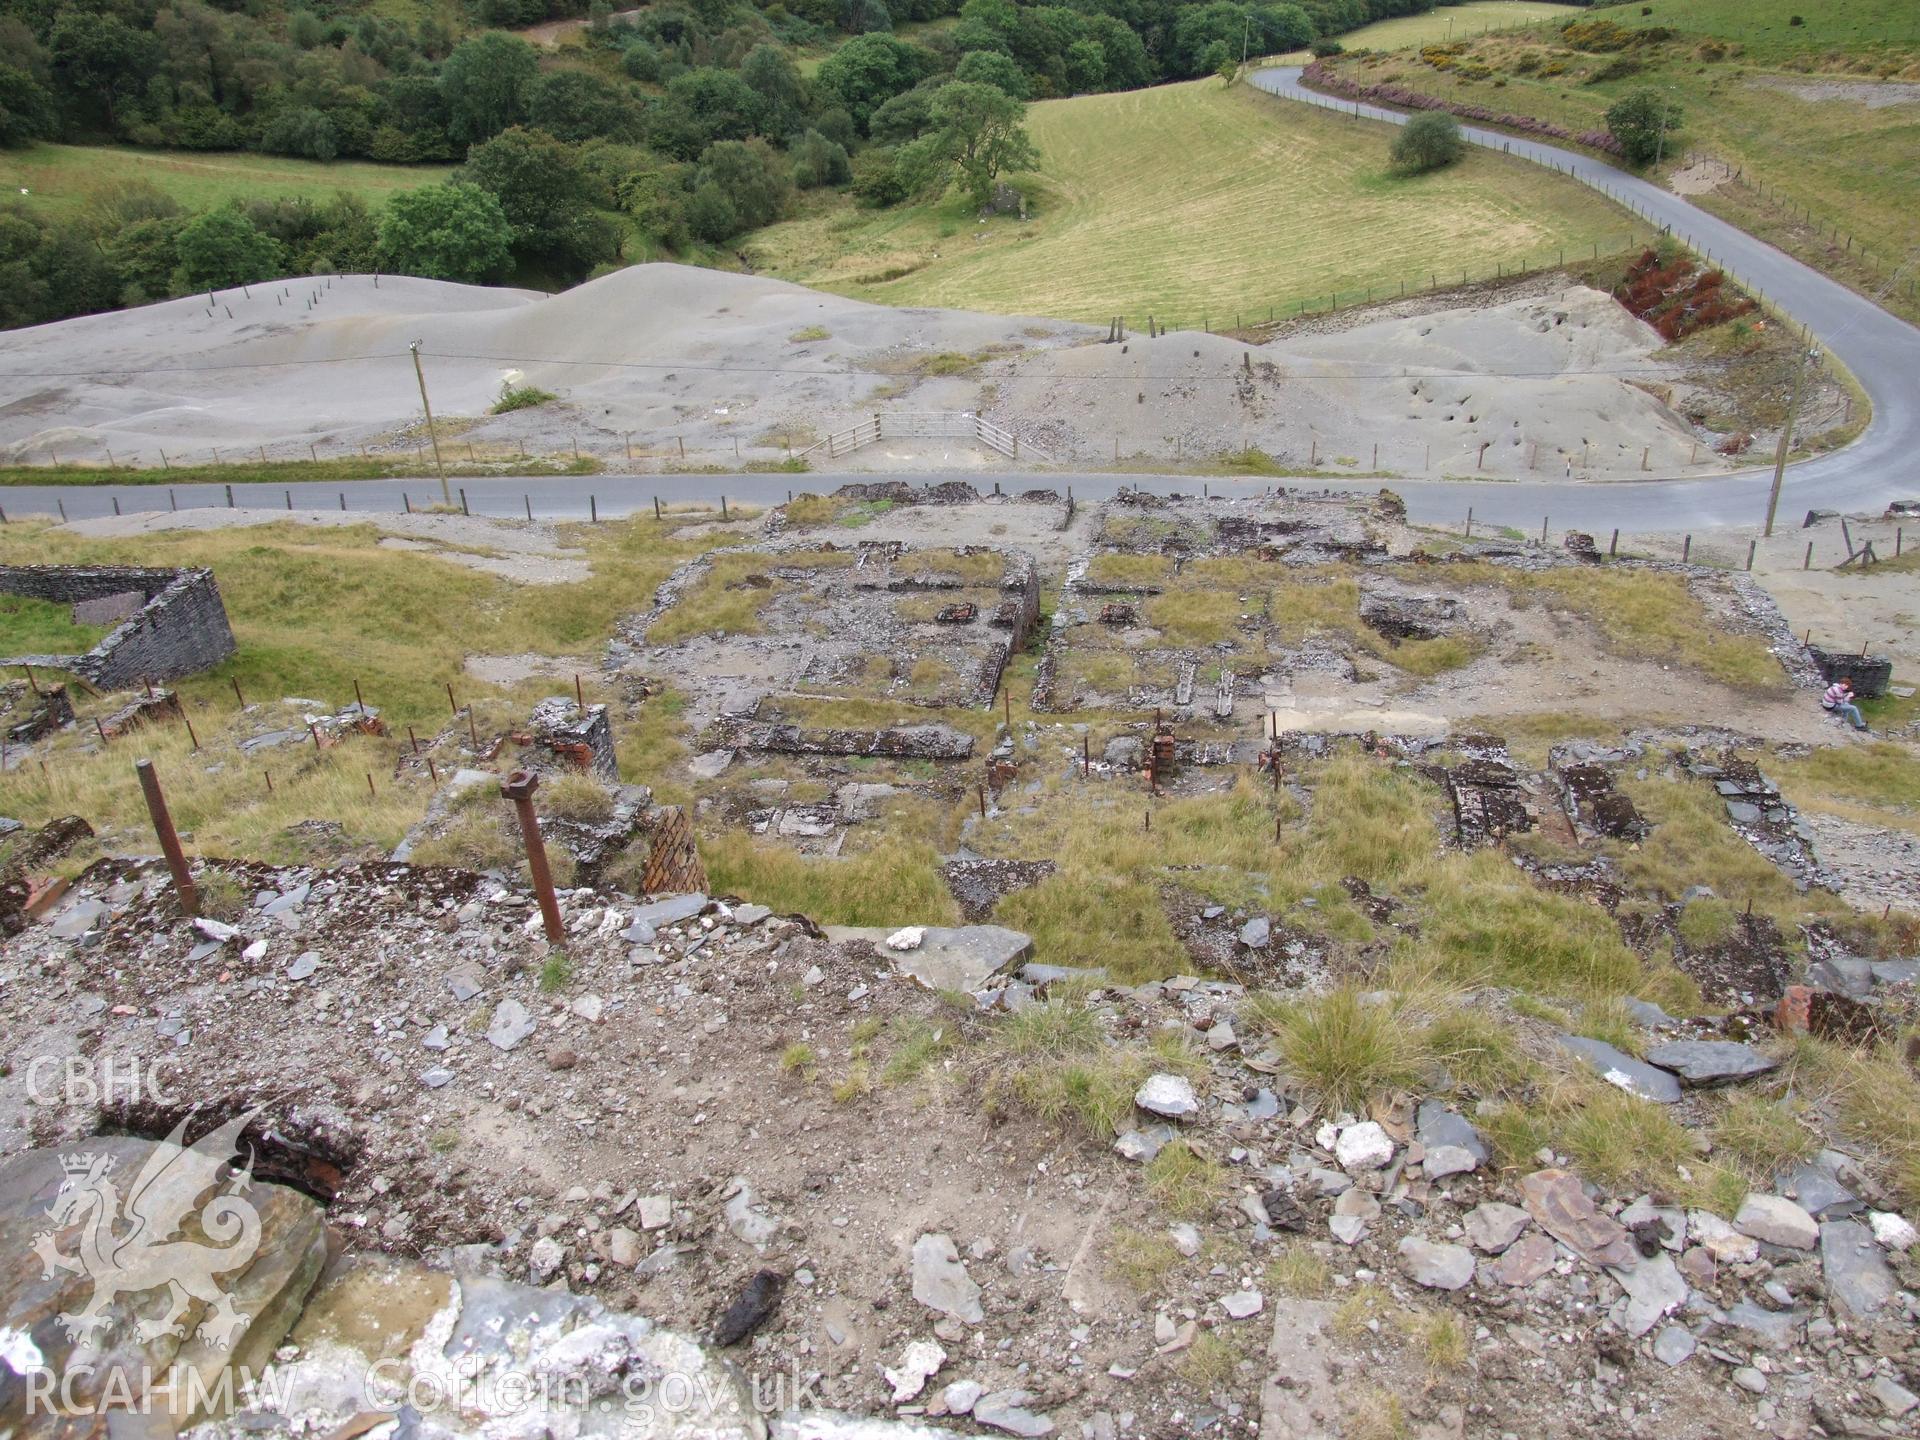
(1185,1183)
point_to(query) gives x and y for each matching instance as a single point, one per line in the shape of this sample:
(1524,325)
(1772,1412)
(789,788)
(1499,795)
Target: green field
(1451,22)
(1193,200)
(61,177)
(1784,105)
(1766,27)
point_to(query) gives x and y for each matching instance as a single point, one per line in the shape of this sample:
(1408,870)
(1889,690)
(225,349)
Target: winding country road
(1883,353)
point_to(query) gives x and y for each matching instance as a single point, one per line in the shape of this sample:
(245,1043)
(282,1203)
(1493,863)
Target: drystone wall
(180,627)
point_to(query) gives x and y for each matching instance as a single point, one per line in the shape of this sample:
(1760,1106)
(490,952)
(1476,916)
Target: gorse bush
(521,397)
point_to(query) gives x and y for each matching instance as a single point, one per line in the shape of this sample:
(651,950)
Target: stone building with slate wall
(176,622)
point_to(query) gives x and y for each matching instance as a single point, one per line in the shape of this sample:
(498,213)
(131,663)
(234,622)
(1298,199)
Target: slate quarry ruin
(168,623)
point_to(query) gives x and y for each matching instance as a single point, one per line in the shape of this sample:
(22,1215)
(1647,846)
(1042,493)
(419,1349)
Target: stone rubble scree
(1803,1299)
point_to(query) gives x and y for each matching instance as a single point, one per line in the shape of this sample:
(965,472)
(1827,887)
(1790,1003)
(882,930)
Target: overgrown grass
(1876,1096)
(314,610)
(1692,844)
(1765,1135)
(731,597)
(1212,600)
(1053,1061)
(1613,1138)
(1142,1259)
(1640,614)
(1211,1360)
(1881,775)
(1184,1181)
(980,567)
(40,627)
(1344,1046)
(1299,1272)
(898,885)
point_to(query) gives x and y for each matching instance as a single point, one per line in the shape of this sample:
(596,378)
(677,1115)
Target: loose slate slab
(1556,1201)
(941,1282)
(956,958)
(1437,1266)
(1709,1062)
(1439,1127)
(1525,1261)
(1777,1221)
(1493,1226)
(1817,1186)
(511,1024)
(1616,1067)
(1858,1280)
(1655,1288)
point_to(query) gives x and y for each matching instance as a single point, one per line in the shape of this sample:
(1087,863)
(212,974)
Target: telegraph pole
(1786,435)
(446,496)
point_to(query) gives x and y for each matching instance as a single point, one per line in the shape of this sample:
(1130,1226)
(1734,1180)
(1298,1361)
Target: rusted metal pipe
(169,839)
(519,787)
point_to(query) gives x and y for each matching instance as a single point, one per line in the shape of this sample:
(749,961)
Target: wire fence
(1830,231)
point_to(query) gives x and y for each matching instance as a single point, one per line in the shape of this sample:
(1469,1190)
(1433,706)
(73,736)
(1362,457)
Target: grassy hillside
(1452,22)
(60,177)
(1767,28)
(1191,200)
(1800,111)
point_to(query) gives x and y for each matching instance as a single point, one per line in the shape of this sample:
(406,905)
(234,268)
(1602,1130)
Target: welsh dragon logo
(132,1244)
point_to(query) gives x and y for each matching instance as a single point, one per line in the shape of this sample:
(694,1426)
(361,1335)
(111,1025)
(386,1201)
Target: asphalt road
(1882,351)
(1674,506)
(1883,464)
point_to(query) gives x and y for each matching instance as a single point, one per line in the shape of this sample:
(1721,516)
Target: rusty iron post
(414,739)
(432,773)
(169,840)
(473,731)
(371,795)
(316,737)
(99,730)
(451,703)
(356,697)
(269,775)
(579,695)
(1086,756)
(238,697)
(519,787)
(32,684)
(190,735)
